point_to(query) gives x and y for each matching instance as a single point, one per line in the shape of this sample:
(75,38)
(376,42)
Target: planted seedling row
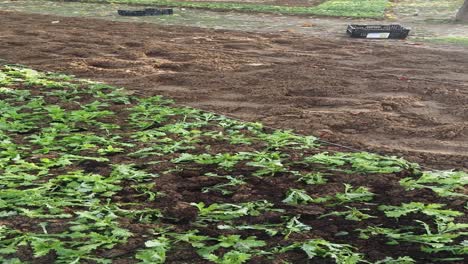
(91,174)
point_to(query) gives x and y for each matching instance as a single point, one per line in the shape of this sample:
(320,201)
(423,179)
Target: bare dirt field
(383,96)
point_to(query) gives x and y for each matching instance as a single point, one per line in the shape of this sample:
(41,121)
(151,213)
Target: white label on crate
(378,35)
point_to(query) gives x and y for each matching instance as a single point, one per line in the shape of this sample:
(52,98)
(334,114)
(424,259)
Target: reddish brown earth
(384,96)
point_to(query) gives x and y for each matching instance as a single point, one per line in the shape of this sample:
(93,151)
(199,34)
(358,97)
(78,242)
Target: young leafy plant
(222,212)
(340,253)
(281,139)
(435,210)
(155,252)
(352,214)
(237,250)
(296,197)
(224,160)
(313,178)
(362,162)
(225,188)
(443,183)
(350,195)
(269,163)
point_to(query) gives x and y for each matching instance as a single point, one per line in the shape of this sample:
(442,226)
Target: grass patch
(458,41)
(431,8)
(344,8)
(352,8)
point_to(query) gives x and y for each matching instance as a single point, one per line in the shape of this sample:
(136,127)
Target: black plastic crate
(146,12)
(378,31)
(156,12)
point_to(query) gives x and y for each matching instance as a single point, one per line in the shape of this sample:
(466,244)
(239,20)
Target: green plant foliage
(155,251)
(225,188)
(399,260)
(442,239)
(238,250)
(352,214)
(444,183)
(296,196)
(221,212)
(313,178)
(350,195)
(435,210)
(224,160)
(269,163)
(340,253)
(362,162)
(87,171)
(280,139)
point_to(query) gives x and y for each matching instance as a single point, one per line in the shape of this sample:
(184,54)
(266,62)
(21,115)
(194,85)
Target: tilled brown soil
(383,96)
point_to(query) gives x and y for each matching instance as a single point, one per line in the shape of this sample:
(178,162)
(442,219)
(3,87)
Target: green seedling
(362,162)
(431,241)
(297,197)
(269,163)
(352,214)
(225,188)
(237,250)
(153,111)
(155,252)
(340,253)
(281,139)
(165,146)
(350,195)
(293,225)
(269,229)
(237,138)
(226,161)
(399,260)
(435,210)
(443,183)
(222,212)
(290,226)
(314,178)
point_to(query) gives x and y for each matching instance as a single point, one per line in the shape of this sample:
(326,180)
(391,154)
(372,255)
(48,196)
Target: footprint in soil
(109,64)
(156,53)
(133,44)
(174,66)
(181,212)
(243,46)
(91,166)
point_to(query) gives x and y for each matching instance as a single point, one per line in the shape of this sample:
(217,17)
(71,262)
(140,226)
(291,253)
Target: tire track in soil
(385,97)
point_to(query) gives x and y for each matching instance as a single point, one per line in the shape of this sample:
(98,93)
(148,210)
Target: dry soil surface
(384,96)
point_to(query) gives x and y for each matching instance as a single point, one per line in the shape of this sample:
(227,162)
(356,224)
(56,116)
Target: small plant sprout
(443,183)
(221,212)
(313,178)
(225,188)
(297,197)
(435,210)
(340,253)
(269,163)
(352,214)
(155,252)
